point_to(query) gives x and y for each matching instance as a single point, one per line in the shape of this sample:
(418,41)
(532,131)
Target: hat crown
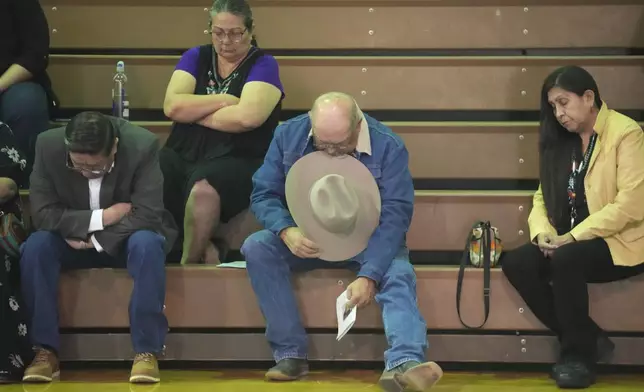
(334,204)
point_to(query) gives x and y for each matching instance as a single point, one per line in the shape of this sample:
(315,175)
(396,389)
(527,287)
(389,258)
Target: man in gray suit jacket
(97,202)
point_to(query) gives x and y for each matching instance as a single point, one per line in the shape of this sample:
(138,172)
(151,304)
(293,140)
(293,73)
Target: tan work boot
(44,367)
(145,369)
(411,376)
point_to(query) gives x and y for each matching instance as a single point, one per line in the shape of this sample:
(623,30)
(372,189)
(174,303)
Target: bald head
(337,107)
(335,118)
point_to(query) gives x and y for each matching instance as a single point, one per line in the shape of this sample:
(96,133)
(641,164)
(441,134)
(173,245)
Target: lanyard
(572,180)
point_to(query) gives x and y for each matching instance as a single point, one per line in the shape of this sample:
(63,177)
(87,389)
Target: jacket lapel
(107,189)
(593,157)
(599,126)
(80,189)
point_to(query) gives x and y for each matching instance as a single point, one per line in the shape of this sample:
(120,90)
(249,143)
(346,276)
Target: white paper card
(233,264)
(346,319)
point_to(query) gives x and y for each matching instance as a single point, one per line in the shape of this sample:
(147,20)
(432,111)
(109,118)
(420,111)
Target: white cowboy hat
(335,201)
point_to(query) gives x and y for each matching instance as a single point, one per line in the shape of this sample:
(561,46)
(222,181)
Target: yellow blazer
(614,187)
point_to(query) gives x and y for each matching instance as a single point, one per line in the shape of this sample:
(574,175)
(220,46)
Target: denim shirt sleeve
(267,201)
(397,195)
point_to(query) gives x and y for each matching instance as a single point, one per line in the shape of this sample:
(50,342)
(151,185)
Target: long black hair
(556,144)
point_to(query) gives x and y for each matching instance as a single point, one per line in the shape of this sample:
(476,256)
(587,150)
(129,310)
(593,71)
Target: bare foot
(211,255)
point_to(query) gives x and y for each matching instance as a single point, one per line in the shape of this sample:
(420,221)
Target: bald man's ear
(358,125)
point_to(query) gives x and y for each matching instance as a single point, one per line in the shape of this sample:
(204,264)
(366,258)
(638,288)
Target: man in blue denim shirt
(336,126)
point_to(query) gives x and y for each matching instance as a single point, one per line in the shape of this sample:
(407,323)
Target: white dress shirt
(96,222)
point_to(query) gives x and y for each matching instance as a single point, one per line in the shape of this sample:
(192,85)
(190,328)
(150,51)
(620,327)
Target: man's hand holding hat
(298,244)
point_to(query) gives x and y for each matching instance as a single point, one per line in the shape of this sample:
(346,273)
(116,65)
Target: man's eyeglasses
(90,170)
(235,36)
(334,149)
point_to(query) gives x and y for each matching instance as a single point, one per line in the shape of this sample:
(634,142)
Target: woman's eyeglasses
(235,35)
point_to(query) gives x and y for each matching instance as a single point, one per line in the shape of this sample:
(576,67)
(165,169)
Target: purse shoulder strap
(465,260)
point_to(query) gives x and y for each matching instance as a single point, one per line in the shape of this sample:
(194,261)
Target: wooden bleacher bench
(441,219)
(213,315)
(223,298)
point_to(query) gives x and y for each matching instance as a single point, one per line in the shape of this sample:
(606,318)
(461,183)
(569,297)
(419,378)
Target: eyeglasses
(234,36)
(334,149)
(344,147)
(94,171)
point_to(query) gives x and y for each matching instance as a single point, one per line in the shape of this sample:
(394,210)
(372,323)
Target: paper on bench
(346,319)
(234,264)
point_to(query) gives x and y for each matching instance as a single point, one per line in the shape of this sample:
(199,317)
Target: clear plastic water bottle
(120,103)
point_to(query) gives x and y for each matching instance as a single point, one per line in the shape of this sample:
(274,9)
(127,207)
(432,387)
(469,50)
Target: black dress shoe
(605,351)
(574,374)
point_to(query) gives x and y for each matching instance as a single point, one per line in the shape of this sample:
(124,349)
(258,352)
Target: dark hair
(239,8)
(90,133)
(556,144)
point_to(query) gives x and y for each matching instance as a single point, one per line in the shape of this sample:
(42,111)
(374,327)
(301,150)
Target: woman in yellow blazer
(587,219)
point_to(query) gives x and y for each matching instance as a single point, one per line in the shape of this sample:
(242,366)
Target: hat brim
(299,181)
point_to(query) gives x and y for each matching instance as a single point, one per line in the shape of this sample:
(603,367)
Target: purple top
(264,70)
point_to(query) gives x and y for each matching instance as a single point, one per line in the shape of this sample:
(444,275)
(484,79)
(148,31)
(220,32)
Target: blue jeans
(269,263)
(45,254)
(24,107)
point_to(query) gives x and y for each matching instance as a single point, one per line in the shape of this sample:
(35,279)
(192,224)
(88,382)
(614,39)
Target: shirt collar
(364,138)
(602,117)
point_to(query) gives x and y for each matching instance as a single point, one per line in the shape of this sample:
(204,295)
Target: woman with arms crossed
(225,100)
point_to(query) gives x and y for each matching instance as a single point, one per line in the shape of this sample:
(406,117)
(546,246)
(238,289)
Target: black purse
(12,229)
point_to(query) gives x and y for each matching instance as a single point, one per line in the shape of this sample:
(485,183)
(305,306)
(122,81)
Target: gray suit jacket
(59,196)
